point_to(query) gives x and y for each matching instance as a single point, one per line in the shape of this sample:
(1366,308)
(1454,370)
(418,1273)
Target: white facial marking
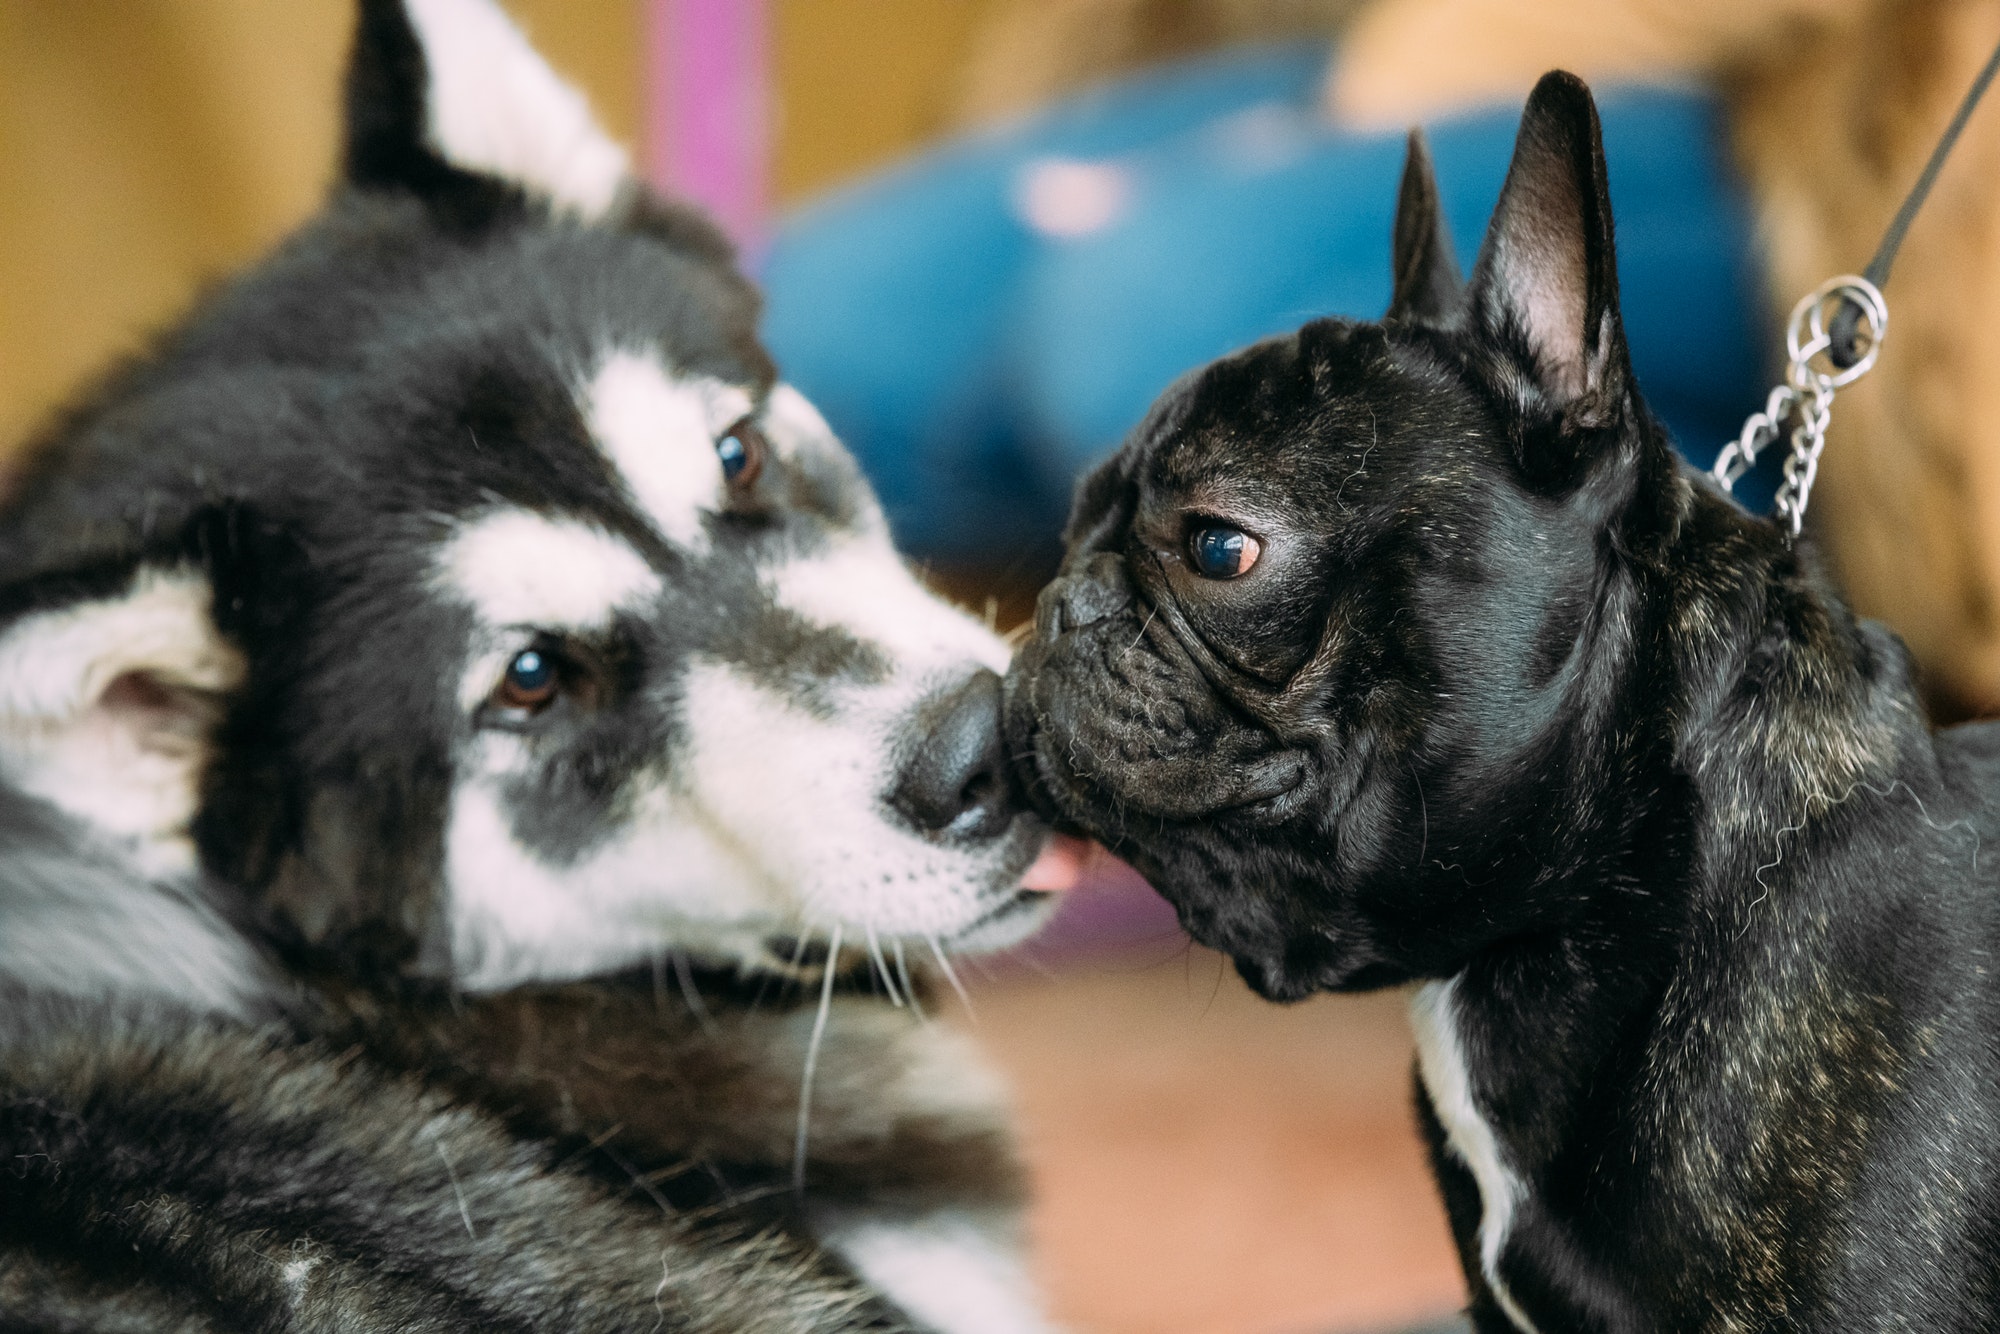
(659,431)
(514,567)
(125,762)
(496,107)
(755,763)
(722,855)
(664,879)
(770,816)
(797,431)
(862,586)
(792,423)
(1441,1061)
(946,1270)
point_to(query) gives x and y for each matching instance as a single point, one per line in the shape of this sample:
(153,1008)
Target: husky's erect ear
(445,97)
(1428,287)
(107,704)
(1547,277)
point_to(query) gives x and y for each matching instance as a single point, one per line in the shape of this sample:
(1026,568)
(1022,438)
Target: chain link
(1805,400)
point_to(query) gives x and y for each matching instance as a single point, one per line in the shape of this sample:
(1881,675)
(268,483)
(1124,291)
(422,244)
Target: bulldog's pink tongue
(1062,865)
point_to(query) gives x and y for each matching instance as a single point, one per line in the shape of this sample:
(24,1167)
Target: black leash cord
(1844,352)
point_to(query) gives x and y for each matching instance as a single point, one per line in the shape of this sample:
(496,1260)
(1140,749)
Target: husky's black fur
(1516,706)
(295,1160)
(252,1094)
(169,1172)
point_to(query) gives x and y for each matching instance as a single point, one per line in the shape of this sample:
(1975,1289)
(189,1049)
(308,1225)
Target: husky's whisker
(1041,968)
(451,1174)
(950,973)
(903,973)
(881,966)
(812,1061)
(692,994)
(659,962)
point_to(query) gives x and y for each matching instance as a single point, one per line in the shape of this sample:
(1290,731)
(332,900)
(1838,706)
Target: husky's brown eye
(742,449)
(1219,552)
(529,684)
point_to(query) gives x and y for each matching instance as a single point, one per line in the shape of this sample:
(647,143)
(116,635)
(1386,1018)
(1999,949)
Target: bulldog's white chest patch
(1469,1136)
(659,431)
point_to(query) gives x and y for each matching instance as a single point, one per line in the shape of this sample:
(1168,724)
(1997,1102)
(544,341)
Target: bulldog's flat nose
(1093,593)
(955,781)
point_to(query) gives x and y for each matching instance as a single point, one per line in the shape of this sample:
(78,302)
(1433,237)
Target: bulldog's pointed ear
(1547,276)
(1428,286)
(448,94)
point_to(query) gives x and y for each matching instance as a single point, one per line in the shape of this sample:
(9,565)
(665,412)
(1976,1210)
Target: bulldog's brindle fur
(1516,707)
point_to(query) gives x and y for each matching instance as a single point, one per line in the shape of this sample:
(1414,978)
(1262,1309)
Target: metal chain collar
(1805,399)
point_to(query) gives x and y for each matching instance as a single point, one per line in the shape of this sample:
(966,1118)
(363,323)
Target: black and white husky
(438,682)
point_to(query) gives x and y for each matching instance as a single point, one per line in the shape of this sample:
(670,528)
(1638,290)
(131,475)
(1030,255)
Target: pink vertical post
(707,107)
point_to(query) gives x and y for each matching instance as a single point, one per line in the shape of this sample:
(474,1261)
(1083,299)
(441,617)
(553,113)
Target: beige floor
(1210,1164)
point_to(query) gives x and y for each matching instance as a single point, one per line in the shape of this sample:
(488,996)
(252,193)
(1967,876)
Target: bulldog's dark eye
(1223,553)
(529,683)
(741,449)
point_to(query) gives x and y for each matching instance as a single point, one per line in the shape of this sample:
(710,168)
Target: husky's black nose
(955,780)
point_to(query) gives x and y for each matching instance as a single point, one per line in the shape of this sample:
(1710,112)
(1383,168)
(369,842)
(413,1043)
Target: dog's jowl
(454,650)
(1407,652)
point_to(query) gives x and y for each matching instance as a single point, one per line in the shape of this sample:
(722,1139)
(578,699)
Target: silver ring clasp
(1807,336)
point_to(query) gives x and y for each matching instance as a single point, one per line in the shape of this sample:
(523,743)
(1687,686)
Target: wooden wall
(149,145)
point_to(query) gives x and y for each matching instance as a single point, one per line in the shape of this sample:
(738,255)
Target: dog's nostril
(955,780)
(1049,619)
(1077,600)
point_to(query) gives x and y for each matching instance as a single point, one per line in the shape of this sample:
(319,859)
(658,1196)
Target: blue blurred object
(987,320)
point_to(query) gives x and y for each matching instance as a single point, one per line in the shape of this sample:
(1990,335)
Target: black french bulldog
(1408,652)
